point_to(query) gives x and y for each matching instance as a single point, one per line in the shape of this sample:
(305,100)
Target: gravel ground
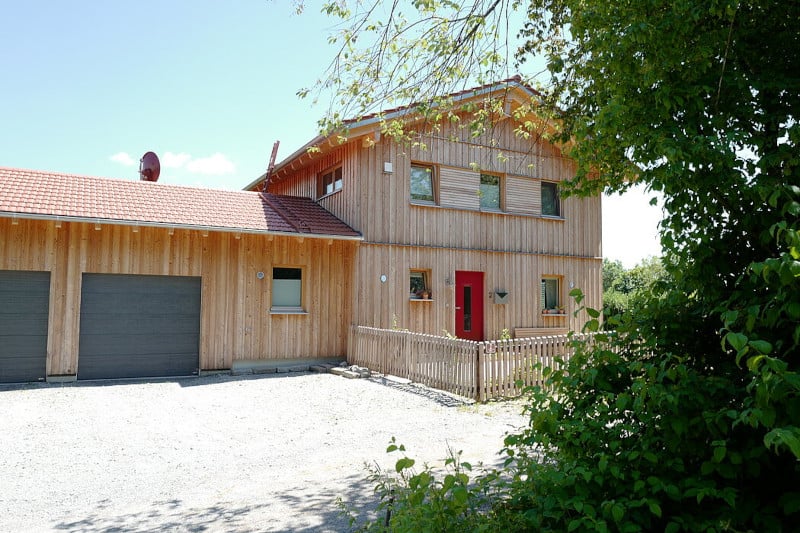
(221,453)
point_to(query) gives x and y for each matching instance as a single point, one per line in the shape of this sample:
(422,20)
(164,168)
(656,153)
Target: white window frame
(282,285)
(330,180)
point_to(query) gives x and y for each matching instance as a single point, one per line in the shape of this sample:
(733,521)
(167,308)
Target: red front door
(469,305)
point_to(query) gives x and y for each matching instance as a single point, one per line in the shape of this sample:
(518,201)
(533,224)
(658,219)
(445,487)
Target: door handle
(458,308)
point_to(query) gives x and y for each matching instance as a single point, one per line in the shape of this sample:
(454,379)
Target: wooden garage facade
(81,236)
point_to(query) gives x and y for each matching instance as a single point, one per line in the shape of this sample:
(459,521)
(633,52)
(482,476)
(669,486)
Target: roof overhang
(165,225)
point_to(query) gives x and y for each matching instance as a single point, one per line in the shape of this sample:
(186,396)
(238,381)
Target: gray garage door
(139,326)
(24,303)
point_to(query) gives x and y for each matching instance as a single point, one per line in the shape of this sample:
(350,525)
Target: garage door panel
(117,345)
(140,305)
(149,366)
(24,304)
(11,325)
(94,324)
(139,326)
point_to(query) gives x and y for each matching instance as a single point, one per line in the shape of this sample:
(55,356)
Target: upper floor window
(330,181)
(490,192)
(550,201)
(422,184)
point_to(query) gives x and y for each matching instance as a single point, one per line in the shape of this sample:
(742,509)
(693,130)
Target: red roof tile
(39,194)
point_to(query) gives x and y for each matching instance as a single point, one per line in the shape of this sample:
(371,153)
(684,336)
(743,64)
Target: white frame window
(330,181)
(287,289)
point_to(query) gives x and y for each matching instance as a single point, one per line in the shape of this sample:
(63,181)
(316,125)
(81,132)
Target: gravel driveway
(220,453)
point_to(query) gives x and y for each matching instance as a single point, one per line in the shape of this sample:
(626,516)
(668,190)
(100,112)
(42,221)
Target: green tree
(622,287)
(690,420)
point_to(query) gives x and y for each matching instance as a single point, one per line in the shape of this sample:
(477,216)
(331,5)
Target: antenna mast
(271,165)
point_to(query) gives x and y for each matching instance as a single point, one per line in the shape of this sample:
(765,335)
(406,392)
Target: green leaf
(787,436)
(403,464)
(617,512)
(737,340)
(719,453)
(655,508)
(763,347)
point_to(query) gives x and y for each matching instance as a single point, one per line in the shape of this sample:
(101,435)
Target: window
(490,192)
(550,201)
(330,181)
(550,295)
(422,179)
(420,287)
(287,289)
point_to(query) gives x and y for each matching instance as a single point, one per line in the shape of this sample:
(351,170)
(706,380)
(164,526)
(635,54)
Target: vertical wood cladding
(519,275)
(236,323)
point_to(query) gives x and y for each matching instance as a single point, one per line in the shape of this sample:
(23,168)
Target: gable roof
(510,87)
(56,196)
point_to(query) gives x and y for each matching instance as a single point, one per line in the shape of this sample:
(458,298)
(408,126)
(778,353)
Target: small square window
(550,294)
(422,184)
(550,202)
(287,289)
(419,281)
(330,181)
(490,192)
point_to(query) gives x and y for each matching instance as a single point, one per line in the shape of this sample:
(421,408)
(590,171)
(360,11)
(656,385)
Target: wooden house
(462,234)
(106,278)
(451,232)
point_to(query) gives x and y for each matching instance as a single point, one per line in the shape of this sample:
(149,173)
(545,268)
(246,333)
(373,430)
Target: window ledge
(420,300)
(425,203)
(287,311)
(547,315)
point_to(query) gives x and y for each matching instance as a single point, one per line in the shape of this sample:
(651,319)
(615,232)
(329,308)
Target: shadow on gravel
(299,509)
(442,398)
(183,381)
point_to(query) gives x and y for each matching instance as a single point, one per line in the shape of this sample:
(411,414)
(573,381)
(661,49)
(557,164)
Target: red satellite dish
(149,167)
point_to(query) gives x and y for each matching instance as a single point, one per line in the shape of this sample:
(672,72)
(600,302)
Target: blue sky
(90,86)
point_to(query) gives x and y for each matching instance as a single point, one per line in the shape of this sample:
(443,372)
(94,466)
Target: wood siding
(378,204)
(387,304)
(235,320)
(513,248)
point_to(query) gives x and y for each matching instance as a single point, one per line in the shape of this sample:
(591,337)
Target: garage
(138,326)
(24,305)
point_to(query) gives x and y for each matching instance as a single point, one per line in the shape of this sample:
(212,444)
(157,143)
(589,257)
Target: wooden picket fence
(479,370)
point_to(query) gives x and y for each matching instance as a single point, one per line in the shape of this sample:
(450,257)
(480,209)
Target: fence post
(479,392)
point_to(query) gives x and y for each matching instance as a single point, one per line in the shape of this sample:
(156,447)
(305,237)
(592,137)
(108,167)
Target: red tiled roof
(39,194)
